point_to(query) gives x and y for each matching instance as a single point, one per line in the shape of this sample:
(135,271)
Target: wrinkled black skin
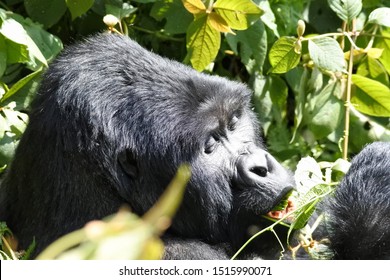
(111,124)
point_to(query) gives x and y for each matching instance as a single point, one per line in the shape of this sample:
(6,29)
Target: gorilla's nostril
(259,170)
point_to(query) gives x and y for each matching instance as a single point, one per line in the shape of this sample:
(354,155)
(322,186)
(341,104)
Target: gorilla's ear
(128,163)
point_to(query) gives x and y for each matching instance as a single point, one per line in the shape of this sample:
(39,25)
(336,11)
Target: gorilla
(110,126)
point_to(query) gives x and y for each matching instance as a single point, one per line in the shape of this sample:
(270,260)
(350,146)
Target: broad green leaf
(282,55)
(17,121)
(327,112)
(119,10)
(384,43)
(327,54)
(15,32)
(8,145)
(78,7)
(47,43)
(307,175)
(3,56)
(374,52)
(341,165)
(47,12)
(239,14)
(194,6)
(177,18)
(268,18)
(217,22)
(307,203)
(19,85)
(203,42)
(250,44)
(373,69)
(374,97)
(347,10)
(380,16)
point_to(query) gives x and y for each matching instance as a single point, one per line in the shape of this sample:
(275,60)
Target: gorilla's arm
(359,214)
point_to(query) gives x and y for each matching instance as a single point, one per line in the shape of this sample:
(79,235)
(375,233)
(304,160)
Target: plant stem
(348,94)
(64,243)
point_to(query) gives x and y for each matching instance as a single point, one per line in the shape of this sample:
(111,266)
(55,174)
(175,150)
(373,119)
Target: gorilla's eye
(210,144)
(233,122)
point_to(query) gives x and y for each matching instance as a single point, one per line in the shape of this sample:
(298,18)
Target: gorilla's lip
(280,214)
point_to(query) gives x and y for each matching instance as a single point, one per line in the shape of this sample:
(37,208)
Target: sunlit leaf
(347,10)
(373,98)
(282,55)
(15,32)
(327,54)
(19,84)
(219,23)
(194,6)
(239,14)
(374,69)
(380,16)
(203,42)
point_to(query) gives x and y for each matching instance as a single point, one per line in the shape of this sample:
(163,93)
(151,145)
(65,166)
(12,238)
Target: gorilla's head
(178,115)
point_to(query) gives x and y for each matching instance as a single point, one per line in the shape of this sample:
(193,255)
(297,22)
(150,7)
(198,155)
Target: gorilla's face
(232,173)
(243,174)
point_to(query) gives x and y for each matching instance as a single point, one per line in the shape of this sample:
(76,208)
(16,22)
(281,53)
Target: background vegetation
(319,69)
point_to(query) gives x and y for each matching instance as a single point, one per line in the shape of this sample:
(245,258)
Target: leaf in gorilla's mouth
(284,207)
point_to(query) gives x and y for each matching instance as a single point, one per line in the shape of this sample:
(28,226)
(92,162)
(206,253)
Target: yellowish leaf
(194,6)
(374,53)
(217,22)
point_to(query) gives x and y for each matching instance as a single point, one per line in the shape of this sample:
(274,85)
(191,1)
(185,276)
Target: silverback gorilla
(111,124)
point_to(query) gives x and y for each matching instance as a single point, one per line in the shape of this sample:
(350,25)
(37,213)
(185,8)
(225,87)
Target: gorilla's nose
(258,166)
(252,165)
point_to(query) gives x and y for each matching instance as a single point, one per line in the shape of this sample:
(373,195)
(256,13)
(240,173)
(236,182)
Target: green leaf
(326,115)
(384,43)
(250,44)
(373,69)
(3,56)
(327,54)
(19,85)
(373,99)
(307,175)
(306,205)
(239,14)
(15,32)
(380,16)
(47,12)
(78,7)
(48,44)
(203,42)
(268,18)
(347,10)
(282,55)
(177,17)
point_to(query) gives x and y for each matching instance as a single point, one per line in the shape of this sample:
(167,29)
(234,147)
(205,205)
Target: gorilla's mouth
(284,205)
(280,214)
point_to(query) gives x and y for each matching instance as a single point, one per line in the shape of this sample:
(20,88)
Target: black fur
(359,214)
(110,126)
